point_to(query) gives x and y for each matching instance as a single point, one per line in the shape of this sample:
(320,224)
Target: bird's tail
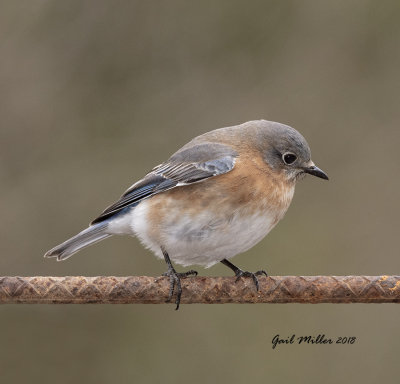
(83,239)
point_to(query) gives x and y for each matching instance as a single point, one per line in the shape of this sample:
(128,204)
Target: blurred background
(96,93)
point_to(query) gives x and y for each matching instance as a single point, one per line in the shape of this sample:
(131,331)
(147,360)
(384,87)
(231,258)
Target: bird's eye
(289,158)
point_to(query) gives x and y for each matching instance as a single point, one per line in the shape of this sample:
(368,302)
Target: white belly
(206,242)
(203,239)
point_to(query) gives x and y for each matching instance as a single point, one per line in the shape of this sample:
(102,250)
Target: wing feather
(191,165)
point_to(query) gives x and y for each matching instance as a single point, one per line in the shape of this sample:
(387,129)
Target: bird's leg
(239,273)
(175,278)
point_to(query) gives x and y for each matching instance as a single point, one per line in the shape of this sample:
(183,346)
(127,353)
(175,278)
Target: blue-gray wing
(191,164)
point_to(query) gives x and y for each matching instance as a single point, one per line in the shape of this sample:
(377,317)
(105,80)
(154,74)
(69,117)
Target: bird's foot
(175,279)
(239,273)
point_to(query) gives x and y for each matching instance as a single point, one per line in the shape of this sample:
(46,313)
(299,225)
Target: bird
(216,197)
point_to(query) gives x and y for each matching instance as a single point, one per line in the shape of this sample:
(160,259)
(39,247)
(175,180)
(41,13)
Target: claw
(239,273)
(253,275)
(175,279)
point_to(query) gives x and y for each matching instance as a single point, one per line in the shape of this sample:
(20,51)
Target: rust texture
(206,290)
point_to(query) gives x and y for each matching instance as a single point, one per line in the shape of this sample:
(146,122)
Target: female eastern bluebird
(216,197)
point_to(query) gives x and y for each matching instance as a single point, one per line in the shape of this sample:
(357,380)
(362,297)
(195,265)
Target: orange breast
(251,187)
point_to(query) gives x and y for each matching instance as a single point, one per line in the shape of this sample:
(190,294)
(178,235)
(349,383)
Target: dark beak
(315,171)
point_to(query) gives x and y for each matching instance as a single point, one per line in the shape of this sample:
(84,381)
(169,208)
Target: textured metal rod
(206,290)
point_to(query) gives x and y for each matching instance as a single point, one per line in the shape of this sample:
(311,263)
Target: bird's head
(286,151)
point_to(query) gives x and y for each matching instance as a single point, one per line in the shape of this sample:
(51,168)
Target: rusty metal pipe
(205,290)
